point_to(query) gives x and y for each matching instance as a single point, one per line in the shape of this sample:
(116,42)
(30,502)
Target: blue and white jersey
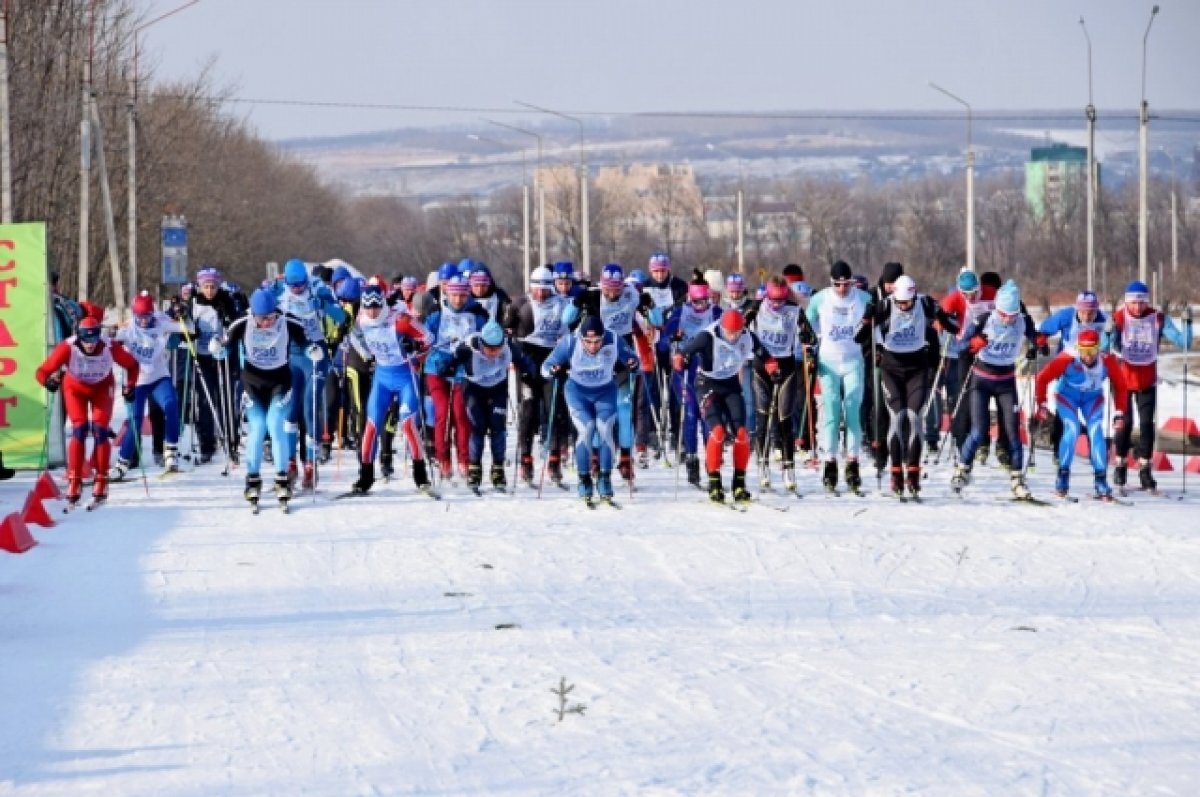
(1079,380)
(149,346)
(310,307)
(488,371)
(617,315)
(836,321)
(906,329)
(266,349)
(589,370)
(778,330)
(548,326)
(208,326)
(1066,324)
(727,358)
(1003,340)
(378,338)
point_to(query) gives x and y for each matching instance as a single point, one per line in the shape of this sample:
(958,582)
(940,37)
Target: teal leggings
(841,400)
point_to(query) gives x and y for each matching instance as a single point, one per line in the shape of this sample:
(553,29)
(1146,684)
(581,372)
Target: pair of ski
(904,498)
(744,506)
(95,503)
(592,502)
(427,490)
(1104,499)
(283,505)
(1157,493)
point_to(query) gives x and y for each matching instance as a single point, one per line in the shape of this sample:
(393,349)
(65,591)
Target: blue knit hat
(968,281)
(1008,298)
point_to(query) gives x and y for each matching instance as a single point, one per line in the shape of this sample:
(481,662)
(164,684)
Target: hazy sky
(673,55)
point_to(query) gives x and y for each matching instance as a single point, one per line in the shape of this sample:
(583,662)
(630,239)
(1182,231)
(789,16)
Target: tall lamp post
(1143,140)
(539,193)
(131,118)
(585,236)
(524,200)
(1174,214)
(741,226)
(970,177)
(1090,112)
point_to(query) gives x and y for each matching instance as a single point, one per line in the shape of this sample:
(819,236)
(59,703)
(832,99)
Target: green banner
(24,301)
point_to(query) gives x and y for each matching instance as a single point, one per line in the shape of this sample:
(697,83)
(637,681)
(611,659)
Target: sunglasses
(266,320)
(1088,351)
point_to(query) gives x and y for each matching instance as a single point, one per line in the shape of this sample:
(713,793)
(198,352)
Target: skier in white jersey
(839,314)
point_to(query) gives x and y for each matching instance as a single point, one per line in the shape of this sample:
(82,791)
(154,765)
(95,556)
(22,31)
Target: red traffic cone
(45,487)
(35,513)
(1160,461)
(1083,446)
(14,535)
(1193,465)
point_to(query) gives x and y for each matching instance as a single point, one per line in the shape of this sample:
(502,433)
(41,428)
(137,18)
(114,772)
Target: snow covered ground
(176,645)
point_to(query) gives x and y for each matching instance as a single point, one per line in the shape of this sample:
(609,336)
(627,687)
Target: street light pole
(585,243)
(524,202)
(1174,214)
(1091,169)
(1143,141)
(970,177)
(85,155)
(539,193)
(131,118)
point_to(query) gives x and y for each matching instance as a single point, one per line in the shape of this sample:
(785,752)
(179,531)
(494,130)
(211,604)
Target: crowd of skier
(636,367)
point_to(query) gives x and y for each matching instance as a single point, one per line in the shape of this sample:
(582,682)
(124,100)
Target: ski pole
(962,392)
(549,429)
(1187,426)
(137,444)
(683,399)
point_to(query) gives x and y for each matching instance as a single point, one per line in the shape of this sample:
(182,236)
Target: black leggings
(905,392)
(1004,391)
(785,405)
(1146,402)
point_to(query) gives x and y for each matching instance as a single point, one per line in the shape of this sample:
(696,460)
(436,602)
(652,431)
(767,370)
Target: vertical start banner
(24,311)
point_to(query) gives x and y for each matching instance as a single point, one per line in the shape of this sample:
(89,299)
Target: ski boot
(554,468)
(716,493)
(420,475)
(1119,474)
(693,470)
(1062,482)
(738,487)
(366,478)
(585,487)
(604,486)
(267,456)
(499,483)
(464,470)
(913,479)
(158,459)
(1004,459)
(309,480)
(897,482)
(326,452)
(206,457)
(75,489)
(789,477)
(253,488)
(1019,490)
(99,490)
(291,473)
(171,459)
(625,465)
(120,469)
(387,467)
(283,489)
(853,479)
(1144,478)
(643,457)
(474,476)
(829,477)
(981,455)
(1101,485)
(764,474)
(527,469)
(961,477)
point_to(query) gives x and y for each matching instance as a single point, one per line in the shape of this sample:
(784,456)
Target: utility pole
(1090,112)
(1143,143)
(970,177)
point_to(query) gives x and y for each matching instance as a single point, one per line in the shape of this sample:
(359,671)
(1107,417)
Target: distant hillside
(880,146)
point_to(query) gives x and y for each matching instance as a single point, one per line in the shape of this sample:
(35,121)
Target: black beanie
(990,279)
(891,272)
(841,271)
(793,273)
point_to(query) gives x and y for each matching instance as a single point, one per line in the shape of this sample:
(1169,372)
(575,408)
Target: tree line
(248,202)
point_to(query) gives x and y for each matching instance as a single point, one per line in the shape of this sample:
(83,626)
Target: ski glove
(1031,353)
(678,362)
(217,352)
(315,353)
(1042,413)
(1118,422)
(978,343)
(127,392)
(53,383)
